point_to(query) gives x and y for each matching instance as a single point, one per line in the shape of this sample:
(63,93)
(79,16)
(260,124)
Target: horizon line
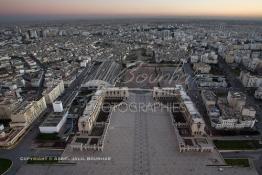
(34,18)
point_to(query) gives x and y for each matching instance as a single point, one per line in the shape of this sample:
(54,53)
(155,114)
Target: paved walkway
(138,143)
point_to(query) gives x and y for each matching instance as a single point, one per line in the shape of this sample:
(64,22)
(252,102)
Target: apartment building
(53,92)
(24,114)
(249,80)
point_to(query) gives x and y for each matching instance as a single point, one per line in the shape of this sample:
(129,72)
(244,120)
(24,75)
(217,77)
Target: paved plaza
(139,143)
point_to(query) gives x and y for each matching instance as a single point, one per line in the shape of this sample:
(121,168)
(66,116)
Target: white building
(54,122)
(58,106)
(84,63)
(2,127)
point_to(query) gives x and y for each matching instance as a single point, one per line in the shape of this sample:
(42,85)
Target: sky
(224,8)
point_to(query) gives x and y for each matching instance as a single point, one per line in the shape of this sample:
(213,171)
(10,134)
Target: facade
(165,92)
(194,119)
(8,101)
(193,145)
(258,93)
(54,122)
(236,100)
(27,112)
(192,124)
(209,58)
(52,93)
(254,63)
(166,35)
(210,100)
(6,110)
(88,121)
(116,92)
(185,105)
(92,109)
(229,58)
(37,79)
(201,68)
(249,80)
(194,59)
(208,80)
(248,111)
(8,139)
(231,119)
(58,106)
(233,113)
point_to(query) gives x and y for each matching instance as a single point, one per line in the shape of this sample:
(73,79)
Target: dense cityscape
(131,96)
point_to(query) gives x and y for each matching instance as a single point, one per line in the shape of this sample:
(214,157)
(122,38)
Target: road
(194,93)
(23,148)
(237,85)
(70,92)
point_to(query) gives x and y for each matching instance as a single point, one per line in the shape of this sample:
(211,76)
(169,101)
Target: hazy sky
(246,8)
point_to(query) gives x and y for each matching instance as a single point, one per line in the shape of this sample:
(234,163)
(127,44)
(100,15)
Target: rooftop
(209,95)
(54,119)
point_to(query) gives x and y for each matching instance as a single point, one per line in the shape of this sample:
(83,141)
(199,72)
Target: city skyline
(124,8)
(142,87)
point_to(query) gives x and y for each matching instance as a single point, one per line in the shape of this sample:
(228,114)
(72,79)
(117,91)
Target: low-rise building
(116,92)
(164,92)
(8,101)
(209,80)
(54,122)
(188,123)
(209,97)
(194,118)
(209,58)
(229,58)
(231,119)
(236,100)
(234,113)
(194,59)
(178,95)
(249,80)
(258,93)
(26,112)
(58,106)
(92,109)
(248,111)
(210,100)
(201,68)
